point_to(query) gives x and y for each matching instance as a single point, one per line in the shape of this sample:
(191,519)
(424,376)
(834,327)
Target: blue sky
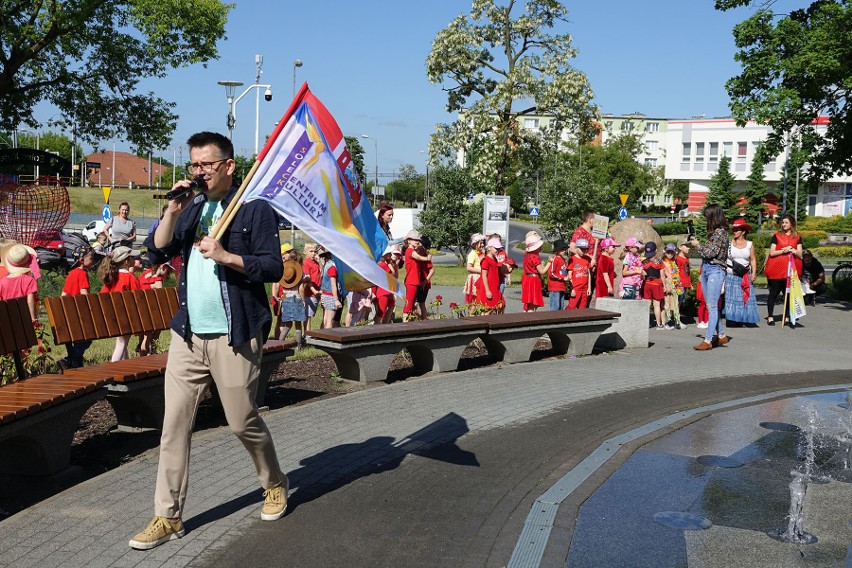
(366,61)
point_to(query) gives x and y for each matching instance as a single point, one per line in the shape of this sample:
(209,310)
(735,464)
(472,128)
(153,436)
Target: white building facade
(695,146)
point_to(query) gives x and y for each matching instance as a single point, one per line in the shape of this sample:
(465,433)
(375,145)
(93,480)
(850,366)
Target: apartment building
(695,146)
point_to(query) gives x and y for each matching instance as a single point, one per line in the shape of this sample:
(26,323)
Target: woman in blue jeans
(714,259)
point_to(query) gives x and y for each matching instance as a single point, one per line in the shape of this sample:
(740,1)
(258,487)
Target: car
(93,229)
(283,223)
(50,248)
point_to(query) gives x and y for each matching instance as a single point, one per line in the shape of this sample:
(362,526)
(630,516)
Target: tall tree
(565,196)
(754,195)
(407,186)
(87,57)
(722,185)
(797,67)
(492,59)
(678,190)
(451,219)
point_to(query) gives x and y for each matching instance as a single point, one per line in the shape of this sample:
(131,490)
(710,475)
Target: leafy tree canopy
(796,67)
(450,219)
(407,187)
(491,61)
(86,58)
(722,185)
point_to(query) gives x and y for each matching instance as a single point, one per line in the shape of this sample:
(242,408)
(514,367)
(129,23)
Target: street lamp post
(296,63)
(230,86)
(376,143)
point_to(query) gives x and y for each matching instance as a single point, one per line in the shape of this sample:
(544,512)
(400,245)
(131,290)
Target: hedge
(839,251)
(836,224)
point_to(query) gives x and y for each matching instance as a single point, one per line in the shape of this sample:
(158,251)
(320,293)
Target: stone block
(629,331)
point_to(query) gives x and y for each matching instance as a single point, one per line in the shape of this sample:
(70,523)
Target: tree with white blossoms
(491,61)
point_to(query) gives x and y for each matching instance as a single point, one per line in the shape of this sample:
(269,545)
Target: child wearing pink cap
(631,271)
(605,279)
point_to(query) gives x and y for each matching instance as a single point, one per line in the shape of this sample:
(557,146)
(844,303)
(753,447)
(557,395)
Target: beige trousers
(191,366)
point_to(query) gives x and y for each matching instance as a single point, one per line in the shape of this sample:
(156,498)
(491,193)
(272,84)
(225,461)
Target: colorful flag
(797,295)
(306,173)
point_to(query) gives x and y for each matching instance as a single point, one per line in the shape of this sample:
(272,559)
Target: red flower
(438,298)
(453,305)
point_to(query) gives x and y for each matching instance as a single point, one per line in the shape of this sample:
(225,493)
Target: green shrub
(814,233)
(839,251)
(841,289)
(836,224)
(676,228)
(810,242)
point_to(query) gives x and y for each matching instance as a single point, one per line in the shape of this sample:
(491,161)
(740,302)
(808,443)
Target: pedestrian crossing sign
(533,211)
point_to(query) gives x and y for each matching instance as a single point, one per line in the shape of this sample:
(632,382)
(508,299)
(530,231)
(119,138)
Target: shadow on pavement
(335,467)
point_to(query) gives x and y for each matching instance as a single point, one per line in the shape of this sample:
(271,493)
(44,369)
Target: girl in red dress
(385,301)
(488,286)
(531,295)
(605,278)
(786,245)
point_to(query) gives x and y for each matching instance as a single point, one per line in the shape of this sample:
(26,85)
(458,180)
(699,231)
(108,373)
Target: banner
(797,295)
(306,173)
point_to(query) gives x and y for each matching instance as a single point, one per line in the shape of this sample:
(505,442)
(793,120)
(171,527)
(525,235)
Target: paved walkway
(434,471)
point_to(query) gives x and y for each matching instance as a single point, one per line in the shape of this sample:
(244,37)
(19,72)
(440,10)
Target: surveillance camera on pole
(268,94)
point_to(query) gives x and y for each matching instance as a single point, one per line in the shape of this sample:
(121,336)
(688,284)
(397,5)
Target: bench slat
(409,329)
(57,321)
(16,330)
(84,312)
(172,299)
(159,304)
(94,304)
(113,327)
(141,304)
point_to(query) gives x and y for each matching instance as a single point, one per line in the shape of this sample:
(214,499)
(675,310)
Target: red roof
(128,168)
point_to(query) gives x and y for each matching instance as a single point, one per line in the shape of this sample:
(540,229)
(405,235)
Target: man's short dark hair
(588,215)
(201,139)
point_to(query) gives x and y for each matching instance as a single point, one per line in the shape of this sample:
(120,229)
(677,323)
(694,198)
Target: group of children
(661,279)
(119,270)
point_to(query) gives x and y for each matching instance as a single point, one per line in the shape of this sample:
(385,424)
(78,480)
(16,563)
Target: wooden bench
(135,388)
(136,385)
(512,337)
(38,415)
(364,353)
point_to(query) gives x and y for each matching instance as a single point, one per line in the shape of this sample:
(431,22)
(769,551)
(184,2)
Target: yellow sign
(106,190)
(623,197)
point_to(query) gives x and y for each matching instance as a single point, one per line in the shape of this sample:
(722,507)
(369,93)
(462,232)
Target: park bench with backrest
(38,415)
(136,385)
(364,353)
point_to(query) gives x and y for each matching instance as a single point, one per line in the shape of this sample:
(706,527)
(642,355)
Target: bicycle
(841,274)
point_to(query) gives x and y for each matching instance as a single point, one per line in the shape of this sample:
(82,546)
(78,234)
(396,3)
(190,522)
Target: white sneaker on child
(681,325)
(702,325)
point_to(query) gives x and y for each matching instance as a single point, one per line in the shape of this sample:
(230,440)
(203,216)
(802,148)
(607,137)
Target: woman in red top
(115,273)
(785,247)
(488,286)
(415,264)
(653,287)
(531,295)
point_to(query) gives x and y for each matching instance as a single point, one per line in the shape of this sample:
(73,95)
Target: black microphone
(196,183)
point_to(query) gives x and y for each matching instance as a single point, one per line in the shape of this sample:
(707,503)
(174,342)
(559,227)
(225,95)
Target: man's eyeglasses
(204,167)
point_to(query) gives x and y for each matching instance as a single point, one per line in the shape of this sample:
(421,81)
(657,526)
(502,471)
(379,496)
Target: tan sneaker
(159,531)
(274,503)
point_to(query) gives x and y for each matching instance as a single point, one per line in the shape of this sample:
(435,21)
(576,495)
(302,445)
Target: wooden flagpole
(234,206)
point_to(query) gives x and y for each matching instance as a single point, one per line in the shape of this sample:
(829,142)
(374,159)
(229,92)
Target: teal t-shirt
(203,290)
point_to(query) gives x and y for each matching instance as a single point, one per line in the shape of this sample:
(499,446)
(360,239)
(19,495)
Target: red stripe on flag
(283,122)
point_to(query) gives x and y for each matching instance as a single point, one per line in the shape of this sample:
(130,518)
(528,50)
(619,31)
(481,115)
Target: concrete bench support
(268,366)
(515,345)
(364,362)
(40,445)
(630,331)
(139,405)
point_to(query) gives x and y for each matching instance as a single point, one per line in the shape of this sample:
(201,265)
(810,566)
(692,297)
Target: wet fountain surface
(721,491)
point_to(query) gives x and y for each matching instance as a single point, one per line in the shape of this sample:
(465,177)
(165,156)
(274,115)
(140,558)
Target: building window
(648,198)
(530,123)
(742,150)
(714,152)
(651,162)
(728,149)
(652,127)
(627,126)
(687,151)
(699,151)
(667,199)
(651,145)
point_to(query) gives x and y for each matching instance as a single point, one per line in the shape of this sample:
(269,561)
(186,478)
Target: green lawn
(91,200)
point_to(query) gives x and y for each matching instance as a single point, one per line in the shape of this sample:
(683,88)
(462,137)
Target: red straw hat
(740,224)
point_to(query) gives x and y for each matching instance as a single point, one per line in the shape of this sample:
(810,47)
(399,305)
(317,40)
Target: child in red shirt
(605,279)
(557,276)
(580,269)
(77,282)
(653,286)
(531,295)
(115,273)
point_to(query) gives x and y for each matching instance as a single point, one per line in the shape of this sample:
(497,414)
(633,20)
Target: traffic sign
(623,197)
(106,190)
(106,214)
(622,213)
(533,211)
